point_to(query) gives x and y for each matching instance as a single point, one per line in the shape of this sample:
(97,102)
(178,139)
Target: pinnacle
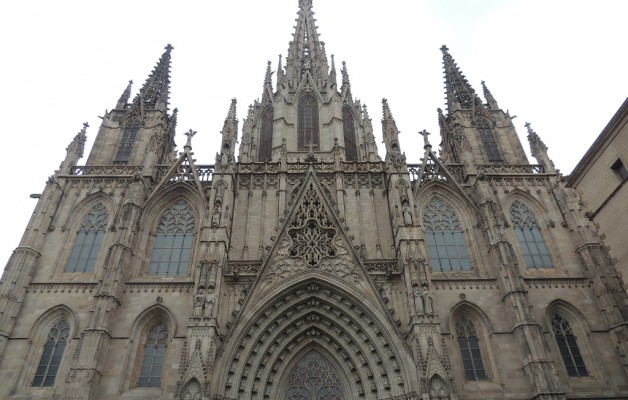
(231,115)
(458,91)
(387,114)
(156,89)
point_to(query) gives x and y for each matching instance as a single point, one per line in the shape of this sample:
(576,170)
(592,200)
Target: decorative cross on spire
(425,134)
(189,134)
(444,48)
(169,47)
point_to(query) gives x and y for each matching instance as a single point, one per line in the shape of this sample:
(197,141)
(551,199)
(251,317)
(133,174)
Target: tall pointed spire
(538,149)
(391,136)
(74,151)
(229,137)
(268,80)
(488,96)
(459,93)
(126,95)
(345,74)
(155,93)
(306,52)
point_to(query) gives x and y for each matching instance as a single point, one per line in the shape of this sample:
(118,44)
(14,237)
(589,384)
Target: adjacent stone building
(600,178)
(305,266)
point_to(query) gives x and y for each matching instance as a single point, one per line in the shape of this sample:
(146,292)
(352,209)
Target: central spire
(306,52)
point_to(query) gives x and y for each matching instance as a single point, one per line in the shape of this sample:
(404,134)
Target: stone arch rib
(314,314)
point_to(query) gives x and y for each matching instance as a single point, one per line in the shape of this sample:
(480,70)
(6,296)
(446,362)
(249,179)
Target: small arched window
(126,143)
(153,353)
(50,360)
(313,378)
(444,237)
(568,347)
(470,352)
(348,127)
(173,241)
(266,134)
(529,236)
(489,143)
(88,240)
(307,128)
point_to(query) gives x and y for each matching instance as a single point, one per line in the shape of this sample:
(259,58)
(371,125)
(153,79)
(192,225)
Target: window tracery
(307,127)
(129,136)
(52,354)
(88,240)
(568,347)
(528,234)
(348,127)
(173,241)
(470,352)
(266,134)
(192,391)
(152,359)
(489,143)
(313,378)
(444,237)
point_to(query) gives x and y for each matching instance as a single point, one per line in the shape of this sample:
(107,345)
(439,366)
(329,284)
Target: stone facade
(309,267)
(600,179)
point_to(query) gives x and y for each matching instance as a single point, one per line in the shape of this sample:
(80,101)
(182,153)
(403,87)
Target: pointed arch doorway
(313,377)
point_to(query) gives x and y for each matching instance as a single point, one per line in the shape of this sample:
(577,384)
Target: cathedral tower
(307,267)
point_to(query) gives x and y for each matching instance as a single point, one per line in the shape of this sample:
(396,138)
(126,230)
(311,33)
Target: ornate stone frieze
(456,284)
(62,287)
(500,169)
(149,287)
(235,268)
(555,283)
(382,267)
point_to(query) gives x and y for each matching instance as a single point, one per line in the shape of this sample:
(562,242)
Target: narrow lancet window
(88,240)
(53,353)
(444,237)
(348,126)
(266,134)
(126,143)
(470,350)
(307,130)
(153,355)
(529,236)
(173,241)
(568,347)
(489,143)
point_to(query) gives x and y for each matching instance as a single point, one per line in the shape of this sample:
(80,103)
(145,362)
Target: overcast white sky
(562,65)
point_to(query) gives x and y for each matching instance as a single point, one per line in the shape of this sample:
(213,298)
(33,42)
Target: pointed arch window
(153,354)
(568,347)
(126,143)
(489,143)
(53,353)
(470,349)
(266,134)
(88,240)
(173,241)
(307,127)
(314,378)
(348,127)
(529,236)
(444,237)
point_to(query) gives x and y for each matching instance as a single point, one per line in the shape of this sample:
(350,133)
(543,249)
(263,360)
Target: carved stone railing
(205,172)
(105,170)
(242,268)
(387,267)
(510,169)
(433,172)
(258,167)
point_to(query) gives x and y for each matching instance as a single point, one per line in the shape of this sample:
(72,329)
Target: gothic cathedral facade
(305,266)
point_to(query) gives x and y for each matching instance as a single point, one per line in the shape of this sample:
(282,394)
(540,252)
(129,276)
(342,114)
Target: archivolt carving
(312,315)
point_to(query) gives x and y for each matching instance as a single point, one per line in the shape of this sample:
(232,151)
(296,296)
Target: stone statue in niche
(428,300)
(216,216)
(418,300)
(199,302)
(405,210)
(210,302)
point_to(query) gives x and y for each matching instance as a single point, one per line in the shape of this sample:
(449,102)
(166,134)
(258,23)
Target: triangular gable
(433,170)
(182,171)
(308,85)
(312,243)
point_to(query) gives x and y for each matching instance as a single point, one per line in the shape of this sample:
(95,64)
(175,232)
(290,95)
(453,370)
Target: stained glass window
(470,350)
(488,141)
(173,241)
(153,356)
(348,126)
(87,243)
(266,134)
(53,352)
(444,237)
(529,236)
(568,347)
(307,128)
(128,139)
(314,378)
